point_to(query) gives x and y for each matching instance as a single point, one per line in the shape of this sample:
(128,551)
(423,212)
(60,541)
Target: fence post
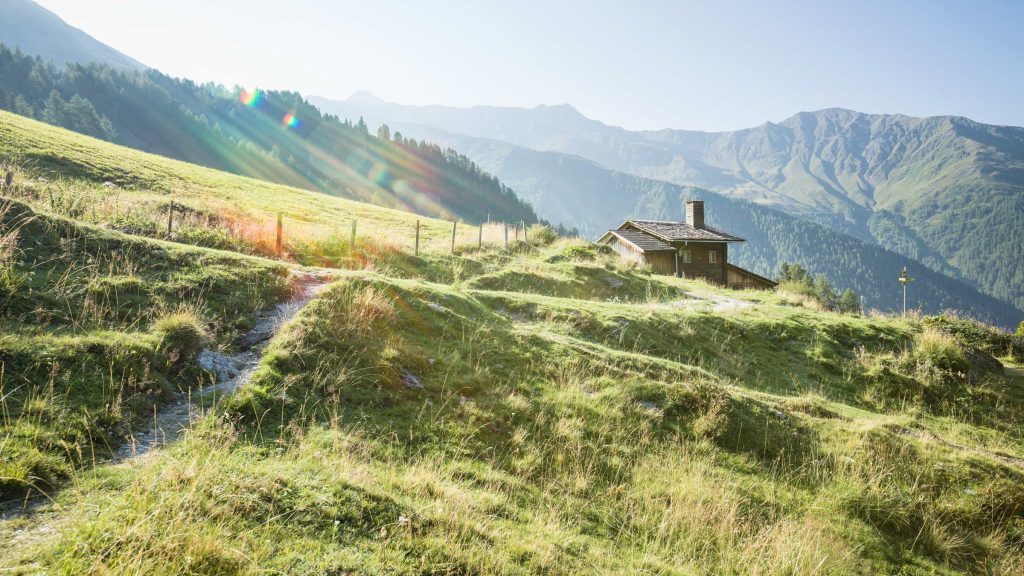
(417,238)
(480,238)
(170,218)
(454,224)
(506,235)
(526,238)
(517,232)
(352,242)
(9,179)
(280,233)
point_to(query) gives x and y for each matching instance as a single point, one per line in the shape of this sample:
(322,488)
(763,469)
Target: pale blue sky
(638,64)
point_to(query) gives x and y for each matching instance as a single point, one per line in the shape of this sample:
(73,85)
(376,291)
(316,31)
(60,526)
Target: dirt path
(231,372)
(25,521)
(709,301)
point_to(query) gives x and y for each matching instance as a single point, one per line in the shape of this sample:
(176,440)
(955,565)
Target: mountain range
(945,192)
(852,196)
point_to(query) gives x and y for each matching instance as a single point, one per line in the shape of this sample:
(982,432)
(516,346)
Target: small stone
(648,405)
(411,381)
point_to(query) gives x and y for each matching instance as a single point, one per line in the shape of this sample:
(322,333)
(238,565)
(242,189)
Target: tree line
(271,135)
(795,278)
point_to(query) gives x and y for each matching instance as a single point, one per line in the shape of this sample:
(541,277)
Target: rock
(614,282)
(223,367)
(981,363)
(411,381)
(109,184)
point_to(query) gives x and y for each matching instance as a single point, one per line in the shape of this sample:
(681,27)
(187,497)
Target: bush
(932,373)
(939,349)
(542,234)
(978,335)
(582,252)
(182,334)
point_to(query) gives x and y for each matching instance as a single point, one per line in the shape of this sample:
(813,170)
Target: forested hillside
(570,189)
(946,191)
(271,135)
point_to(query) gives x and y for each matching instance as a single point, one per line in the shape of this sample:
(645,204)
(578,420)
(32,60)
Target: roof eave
(624,239)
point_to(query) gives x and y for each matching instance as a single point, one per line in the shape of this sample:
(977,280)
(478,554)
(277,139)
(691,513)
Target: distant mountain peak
(365,97)
(564,106)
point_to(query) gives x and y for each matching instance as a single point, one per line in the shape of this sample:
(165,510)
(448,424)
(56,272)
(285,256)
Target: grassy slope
(574,417)
(567,435)
(76,168)
(82,357)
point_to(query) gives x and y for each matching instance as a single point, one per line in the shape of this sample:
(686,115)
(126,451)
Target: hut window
(684,256)
(712,256)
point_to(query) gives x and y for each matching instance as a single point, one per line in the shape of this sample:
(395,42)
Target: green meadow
(536,409)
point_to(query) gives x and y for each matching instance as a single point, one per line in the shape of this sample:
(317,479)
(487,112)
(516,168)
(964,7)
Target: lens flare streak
(251,98)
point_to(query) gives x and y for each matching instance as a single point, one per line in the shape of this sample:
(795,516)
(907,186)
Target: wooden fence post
(517,232)
(526,238)
(417,238)
(352,242)
(280,234)
(454,224)
(506,235)
(480,238)
(170,218)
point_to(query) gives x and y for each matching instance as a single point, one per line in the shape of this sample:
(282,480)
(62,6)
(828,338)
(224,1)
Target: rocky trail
(230,371)
(26,520)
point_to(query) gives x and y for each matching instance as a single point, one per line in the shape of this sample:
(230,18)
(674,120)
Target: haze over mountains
(852,196)
(945,191)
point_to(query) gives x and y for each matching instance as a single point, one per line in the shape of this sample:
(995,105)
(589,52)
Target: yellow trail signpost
(904,280)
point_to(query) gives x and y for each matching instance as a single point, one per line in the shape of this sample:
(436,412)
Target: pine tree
(823,291)
(848,303)
(784,274)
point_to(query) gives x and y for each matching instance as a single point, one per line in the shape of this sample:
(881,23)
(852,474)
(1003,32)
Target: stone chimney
(695,213)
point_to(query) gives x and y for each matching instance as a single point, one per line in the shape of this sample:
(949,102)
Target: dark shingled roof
(642,240)
(678,231)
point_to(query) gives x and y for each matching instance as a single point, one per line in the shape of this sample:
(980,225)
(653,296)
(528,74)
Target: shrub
(182,334)
(542,234)
(979,335)
(935,347)
(931,373)
(582,252)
